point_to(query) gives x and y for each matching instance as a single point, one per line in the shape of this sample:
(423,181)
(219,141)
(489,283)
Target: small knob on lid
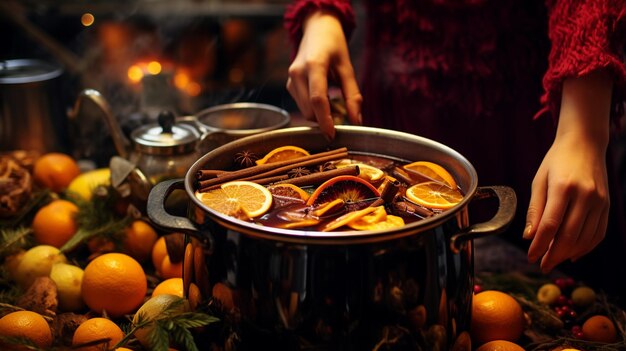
(166,120)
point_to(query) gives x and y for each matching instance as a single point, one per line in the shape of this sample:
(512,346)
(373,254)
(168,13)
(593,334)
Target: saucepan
(404,288)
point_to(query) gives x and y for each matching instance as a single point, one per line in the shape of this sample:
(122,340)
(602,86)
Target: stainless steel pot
(32,115)
(227,122)
(407,288)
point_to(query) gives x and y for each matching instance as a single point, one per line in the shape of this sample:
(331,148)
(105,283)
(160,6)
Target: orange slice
(346,218)
(283,153)
(367,172)
(377,220)
(429,171)
(251,198)
(348,188)
(327,208)
(288,190)
(434,195)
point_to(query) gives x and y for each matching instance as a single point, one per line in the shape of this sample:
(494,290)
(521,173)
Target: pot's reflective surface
(410,293)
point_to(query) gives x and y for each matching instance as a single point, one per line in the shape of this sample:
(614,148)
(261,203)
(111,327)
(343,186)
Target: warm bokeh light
(181,80)
(236,75)
(135,74)
(154,67)
(193,89)
(87,19)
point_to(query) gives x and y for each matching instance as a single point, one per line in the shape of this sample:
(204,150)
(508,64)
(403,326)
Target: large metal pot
(407,288)
(31,110)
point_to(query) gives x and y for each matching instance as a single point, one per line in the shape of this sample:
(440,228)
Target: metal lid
(27,71)
(166,137)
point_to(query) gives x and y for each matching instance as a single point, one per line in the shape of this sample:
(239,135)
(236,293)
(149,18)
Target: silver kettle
(163,150)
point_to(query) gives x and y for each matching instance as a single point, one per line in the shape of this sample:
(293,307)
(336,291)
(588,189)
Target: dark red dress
(472,74)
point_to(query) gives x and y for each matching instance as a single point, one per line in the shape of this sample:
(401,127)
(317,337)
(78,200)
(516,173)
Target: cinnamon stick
(390,189)
(405,206)
(402,175)
(321,177)
(262,181)
(205,174)
(271,169)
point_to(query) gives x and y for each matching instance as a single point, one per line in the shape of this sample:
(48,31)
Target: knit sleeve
(585,36)
(296,13)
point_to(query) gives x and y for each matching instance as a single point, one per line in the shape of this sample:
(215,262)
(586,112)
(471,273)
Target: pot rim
(284,120)
(317,237)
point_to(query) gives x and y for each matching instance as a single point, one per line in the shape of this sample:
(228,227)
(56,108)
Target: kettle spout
(121,143)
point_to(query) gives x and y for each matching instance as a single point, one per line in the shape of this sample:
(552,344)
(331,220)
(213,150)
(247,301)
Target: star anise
(328,166)
(246,158)
(298,172)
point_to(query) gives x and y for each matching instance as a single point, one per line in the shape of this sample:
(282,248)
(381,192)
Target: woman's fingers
(351,93)
(297,86)
(318,98)
(577,224)
(551,219)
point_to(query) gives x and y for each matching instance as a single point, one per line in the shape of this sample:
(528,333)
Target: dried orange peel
(429,171)
(283,153)
(367,172)
(377,220)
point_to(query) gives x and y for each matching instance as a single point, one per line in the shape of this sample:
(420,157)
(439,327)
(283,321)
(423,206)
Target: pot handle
(507,201)
(156,207)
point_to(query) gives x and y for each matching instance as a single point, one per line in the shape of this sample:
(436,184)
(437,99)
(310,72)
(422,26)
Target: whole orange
(496,316)
(55,171)
(599,328)
(170,269)
(55,223)
(95,329)
(174,286)
(115,283)
(25,324)
(139,240)
(500,345)
(159,251)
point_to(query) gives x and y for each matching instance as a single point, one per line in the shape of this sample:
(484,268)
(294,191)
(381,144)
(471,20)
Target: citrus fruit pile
(79,270)
(331,195)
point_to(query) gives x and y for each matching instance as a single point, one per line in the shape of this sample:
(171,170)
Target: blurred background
(149,55)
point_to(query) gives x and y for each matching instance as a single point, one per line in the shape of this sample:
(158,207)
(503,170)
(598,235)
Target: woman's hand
(323,51)
(569,206)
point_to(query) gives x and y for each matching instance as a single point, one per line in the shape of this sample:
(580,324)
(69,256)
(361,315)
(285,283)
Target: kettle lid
(167,137)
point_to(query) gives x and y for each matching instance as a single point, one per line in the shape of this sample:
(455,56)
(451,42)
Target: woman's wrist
(585,108)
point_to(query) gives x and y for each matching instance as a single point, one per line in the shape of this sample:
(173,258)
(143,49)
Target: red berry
(477,288)
(569,282)
(561,300)
(560,282)
(578,335)
(576,329)
(560,313)
(572,314)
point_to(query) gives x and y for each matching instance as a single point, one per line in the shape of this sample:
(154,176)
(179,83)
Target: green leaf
(14,239)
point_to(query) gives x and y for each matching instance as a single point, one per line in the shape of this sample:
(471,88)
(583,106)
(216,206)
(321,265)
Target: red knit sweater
(439,48)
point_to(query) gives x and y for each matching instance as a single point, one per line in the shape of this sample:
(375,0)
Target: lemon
(84,183)
(37,262)
(152,310)
(68,279)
